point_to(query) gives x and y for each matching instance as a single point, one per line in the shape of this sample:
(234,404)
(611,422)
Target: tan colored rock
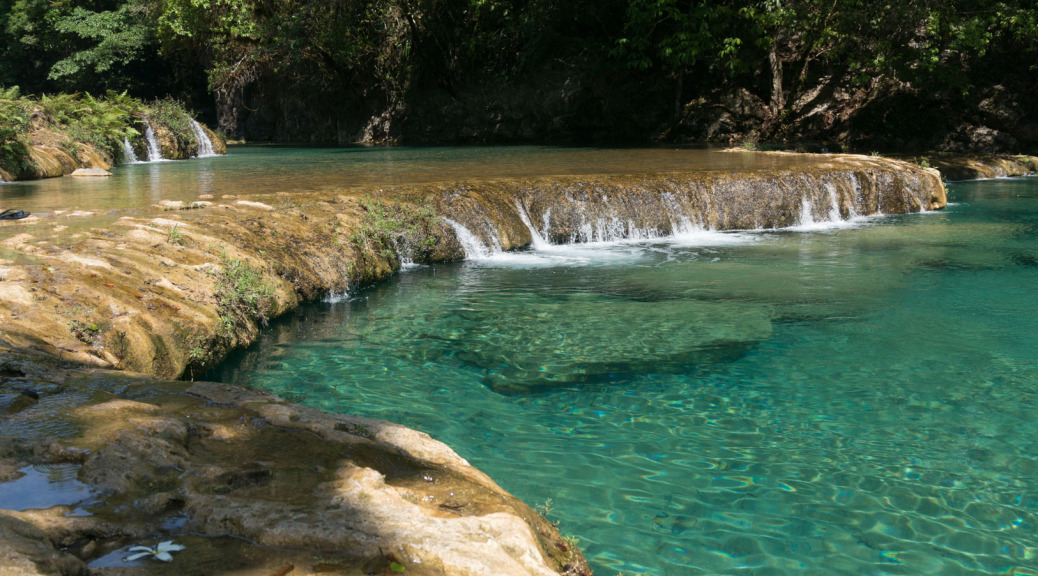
(90,172)
(89,157)
(45,164)
(25,550)
(250,204)
(235,463)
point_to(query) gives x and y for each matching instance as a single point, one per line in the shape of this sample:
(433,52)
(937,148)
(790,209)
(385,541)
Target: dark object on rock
(12,214)
(31,393)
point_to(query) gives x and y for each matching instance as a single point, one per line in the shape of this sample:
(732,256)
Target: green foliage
(241,295)
(14,125)
(83,118)
(98,44)
(101,122)
(398,230)
(113,38)
(384,51)
(170,113)
(175,236)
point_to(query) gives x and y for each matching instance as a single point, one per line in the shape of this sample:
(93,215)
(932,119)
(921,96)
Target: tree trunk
(778,101)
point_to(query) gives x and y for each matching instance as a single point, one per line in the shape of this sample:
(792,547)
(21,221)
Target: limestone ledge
(141,290)
(249,484)
(981,166)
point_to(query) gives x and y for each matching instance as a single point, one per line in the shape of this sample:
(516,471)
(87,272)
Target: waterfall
(807,217)
(852,206)
(834,203)
(154,150)
(475,249)
(205,145)
(680,223)
(129,156)
(611,208)
(536,240)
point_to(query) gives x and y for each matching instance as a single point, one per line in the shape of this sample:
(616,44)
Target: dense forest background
(954,74)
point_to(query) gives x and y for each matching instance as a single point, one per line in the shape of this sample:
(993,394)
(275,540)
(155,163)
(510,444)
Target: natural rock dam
(159,292)
(510,214)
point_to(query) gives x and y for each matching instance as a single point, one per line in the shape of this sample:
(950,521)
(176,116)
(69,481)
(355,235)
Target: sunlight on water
(844,401)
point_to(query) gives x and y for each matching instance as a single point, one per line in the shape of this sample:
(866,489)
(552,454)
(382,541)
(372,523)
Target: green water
(859,399)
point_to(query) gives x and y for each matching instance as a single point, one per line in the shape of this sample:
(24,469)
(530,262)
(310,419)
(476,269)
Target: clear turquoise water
(853,400)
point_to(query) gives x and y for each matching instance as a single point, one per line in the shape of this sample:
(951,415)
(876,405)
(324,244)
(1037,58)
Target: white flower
(160,552)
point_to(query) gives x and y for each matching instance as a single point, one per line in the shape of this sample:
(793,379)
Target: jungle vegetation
(390,70)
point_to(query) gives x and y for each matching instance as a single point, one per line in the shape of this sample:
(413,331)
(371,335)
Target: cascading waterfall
(608,209)
(129,156)
(154,150)
(205,144)
(680,223)
(536,240)
(474,248)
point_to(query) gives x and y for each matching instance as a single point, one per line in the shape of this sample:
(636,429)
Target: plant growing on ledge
(397,230)
(241,295)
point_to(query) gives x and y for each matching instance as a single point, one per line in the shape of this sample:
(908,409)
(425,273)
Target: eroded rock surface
(199,463)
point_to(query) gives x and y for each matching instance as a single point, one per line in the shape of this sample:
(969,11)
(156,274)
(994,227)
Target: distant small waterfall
(129,156)
(154,150)
(205,144)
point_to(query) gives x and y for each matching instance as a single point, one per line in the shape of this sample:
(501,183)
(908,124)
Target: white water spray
(834,203)
(154,150)
(205,144)
(536,240)
(474,248)
(129,156)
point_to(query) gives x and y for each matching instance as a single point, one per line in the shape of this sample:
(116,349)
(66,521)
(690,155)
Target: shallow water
(250,170)
(44,486)
(857,400)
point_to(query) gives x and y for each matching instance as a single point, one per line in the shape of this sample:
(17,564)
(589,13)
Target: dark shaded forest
(950,75)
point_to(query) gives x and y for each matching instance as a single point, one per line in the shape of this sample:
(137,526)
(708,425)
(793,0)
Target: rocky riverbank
(99,311)
(249,484)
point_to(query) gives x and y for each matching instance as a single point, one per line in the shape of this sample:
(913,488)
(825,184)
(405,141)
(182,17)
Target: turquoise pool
(849,398)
